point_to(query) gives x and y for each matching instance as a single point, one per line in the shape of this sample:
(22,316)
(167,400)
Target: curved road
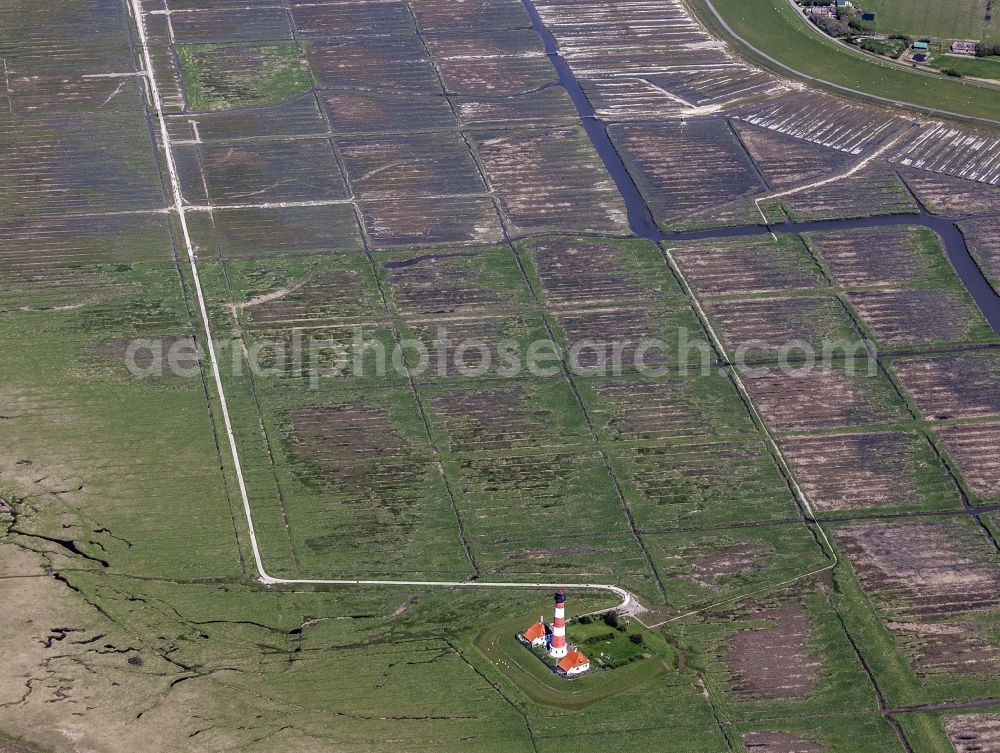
(628,601)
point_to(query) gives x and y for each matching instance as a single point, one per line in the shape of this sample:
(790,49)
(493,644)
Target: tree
(611,619)
(832,26)
(855,21)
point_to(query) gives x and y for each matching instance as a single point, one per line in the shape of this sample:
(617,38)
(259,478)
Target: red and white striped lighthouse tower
(557,646)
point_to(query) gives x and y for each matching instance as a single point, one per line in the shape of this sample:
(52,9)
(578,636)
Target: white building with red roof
(537,634)
(574,663)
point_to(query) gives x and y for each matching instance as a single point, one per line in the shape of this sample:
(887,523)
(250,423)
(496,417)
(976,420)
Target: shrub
(893,48)
(832,26)
(637,638)
(611,619)
(855,22)
(585,619)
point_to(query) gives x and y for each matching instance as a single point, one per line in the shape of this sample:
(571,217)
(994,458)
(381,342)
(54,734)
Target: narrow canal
(643,225)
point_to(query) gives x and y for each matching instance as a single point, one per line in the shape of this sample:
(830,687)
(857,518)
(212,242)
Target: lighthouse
(557,646)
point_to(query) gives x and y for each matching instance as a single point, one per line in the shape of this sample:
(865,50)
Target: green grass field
(950,19)
(775,29)
(975,67)
(218,76)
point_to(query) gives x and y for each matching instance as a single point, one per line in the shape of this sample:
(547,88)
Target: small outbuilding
(537,634)
(921,46)
(867,16)
(963,47)
(574,663)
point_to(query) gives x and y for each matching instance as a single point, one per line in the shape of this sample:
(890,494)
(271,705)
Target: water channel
(643,225)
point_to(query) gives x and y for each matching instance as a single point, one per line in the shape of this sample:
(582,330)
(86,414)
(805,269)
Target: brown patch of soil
(779,742)
(943,194)
(443,283)
(819,398)
(428,221)
(923,569)
(974,448)
(873,256)
(733,560)
(551,179)
(387,167)
(774,662)
(974,733)
(752,265)
(909,317)
(574,271)
(926,576)
(681,169)
(761,327)
(964,386)
(787,161)
(873,190)
(983,237)
(966,653)
(852,471)
(498,418)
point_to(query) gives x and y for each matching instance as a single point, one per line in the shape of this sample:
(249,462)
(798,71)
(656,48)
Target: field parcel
(951,19)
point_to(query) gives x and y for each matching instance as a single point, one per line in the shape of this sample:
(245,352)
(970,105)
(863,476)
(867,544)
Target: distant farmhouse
(843,19)
(849,22)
